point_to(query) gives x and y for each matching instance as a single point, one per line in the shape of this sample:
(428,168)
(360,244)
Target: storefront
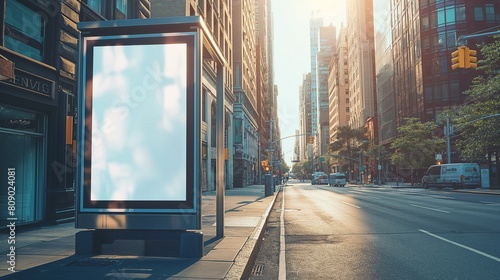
(36,140)
(23,152)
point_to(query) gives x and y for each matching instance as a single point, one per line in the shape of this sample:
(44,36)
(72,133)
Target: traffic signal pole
(464,57)
(477,35)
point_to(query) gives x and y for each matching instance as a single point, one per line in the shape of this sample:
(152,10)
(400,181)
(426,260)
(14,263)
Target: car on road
(315,176)
(323,180)
(337,179)
(454,175)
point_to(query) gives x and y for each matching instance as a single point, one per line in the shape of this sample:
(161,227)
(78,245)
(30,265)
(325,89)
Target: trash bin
(268,185)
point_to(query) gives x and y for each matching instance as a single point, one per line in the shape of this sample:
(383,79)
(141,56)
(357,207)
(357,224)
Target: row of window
(27,26)
(452,14)
(442,92)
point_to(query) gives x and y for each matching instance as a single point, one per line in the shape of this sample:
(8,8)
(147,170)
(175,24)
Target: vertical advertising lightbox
(139,121)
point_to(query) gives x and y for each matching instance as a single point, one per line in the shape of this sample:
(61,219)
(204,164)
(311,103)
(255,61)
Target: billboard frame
(147,214)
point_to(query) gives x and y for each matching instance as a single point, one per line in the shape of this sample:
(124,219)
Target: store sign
(140,132)
(32,83)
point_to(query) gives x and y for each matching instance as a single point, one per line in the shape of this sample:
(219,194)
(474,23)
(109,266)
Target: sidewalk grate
(257,270)
(93,262)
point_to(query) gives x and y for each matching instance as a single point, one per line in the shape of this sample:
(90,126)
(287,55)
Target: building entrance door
(22,138)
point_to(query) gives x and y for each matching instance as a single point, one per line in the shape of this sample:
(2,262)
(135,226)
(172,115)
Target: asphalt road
(380,233)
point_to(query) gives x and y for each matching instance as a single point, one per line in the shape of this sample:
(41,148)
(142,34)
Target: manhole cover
(257,270)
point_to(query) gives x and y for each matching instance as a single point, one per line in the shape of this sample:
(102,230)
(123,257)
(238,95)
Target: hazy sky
(291,55)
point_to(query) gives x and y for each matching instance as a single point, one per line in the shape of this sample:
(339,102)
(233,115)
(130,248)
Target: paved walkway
(47,252)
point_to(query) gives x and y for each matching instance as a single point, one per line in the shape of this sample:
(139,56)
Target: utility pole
(271,150)
(448,132)
(379,166)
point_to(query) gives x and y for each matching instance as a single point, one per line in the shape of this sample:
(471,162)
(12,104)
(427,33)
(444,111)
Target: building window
(22,148)
(26,39)
(450,15)
(490,12)
(442,40)
(121,9)
(105,8)
(455,90)
(425,23)
(460,13)
(96,6)
(440,17)
(451,39)
(433,19)
(478,14)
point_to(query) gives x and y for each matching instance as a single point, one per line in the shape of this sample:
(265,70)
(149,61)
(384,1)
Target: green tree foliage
(284,168)
(477,133)
(348,144)
(347,141)
(302,168)
(416,145)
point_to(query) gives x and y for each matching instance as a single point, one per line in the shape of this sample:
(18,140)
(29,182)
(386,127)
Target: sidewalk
(47,252)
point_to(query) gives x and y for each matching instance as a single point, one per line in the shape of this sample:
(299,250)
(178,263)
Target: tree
(476,136)
(302,169)
(346,140)
(348,143)
(416,145)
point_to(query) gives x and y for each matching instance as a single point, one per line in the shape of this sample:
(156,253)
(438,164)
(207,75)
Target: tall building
(246,136)
(414,75)
(305,115)
(384,71)
(265,100)
(362,99)
(314,25)
(38,105)
(338,86)
(327,48)
(218,17)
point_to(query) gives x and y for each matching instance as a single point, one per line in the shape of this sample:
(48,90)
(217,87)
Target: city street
(367,232)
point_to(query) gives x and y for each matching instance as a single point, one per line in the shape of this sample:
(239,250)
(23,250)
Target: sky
(292,56)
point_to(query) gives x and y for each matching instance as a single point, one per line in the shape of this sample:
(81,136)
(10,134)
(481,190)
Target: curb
(243,261)
(478,191)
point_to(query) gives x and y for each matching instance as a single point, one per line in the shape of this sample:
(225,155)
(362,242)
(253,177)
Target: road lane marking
(347,203)
(441,196)
(358,192)
(282,260)
(489,202)
(428,208)
(460,245)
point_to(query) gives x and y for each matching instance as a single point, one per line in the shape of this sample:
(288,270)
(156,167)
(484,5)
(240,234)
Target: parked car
(455,175)
(337,179)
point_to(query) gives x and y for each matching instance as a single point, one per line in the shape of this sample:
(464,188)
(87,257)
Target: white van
(455,175)
(337,179)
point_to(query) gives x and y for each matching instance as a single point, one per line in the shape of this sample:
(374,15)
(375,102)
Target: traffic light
(457,58)
(470,58)
(310,140)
